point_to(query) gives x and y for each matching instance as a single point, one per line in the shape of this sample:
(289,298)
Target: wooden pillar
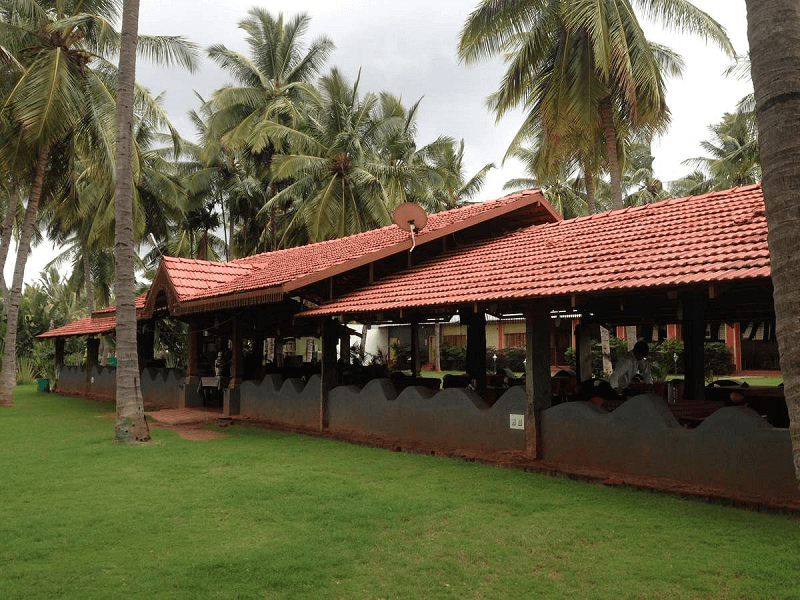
(583,353)
(237,354)
(92,354)
(329,376)
(415,364)
(231,400)
(694,333)
(537,375)
(344,344)
(476,346)
(145,342)
(59,358)
(258,354)
(191,380)
(195,339)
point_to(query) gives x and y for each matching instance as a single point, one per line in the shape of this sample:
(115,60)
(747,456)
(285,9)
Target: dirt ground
(193,424)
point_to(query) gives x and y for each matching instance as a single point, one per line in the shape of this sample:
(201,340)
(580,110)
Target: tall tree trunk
(8,374)
(6,234)
(610,135)
(231,231)
(588,180)
(87,281)
(131,425)
(773,30)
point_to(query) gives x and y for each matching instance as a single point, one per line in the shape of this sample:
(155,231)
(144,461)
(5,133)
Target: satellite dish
(410,217)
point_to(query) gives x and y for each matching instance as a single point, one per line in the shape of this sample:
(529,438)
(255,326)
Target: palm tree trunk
(131,425)
(87,281)
(8,374)
(5,236)
(610,135)
(772,28)
(230,233)
(589,183)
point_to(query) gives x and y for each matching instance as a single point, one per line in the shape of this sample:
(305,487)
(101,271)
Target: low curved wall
(453,419)
(290,402)
(162,387)
(734,449)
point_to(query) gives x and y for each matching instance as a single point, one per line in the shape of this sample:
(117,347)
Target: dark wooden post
(583,353)
(694,335)
(191,379)
(258,355)
(328,379)
(59,358)
(344,344)
(145,342)
(476,348)
(537,375)
(415,364)
(92,355)
(231,400)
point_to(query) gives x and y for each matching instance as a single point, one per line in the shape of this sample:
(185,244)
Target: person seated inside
(630,367)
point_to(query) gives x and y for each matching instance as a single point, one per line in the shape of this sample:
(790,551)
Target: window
(455,340)
(515,340)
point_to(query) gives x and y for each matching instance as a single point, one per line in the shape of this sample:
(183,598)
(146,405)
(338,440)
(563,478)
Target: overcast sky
(409,49)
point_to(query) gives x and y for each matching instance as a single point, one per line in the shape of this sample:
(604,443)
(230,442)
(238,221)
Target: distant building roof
(716,237)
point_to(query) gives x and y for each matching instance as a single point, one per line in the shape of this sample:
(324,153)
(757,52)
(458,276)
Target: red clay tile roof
(96,324)
(263,277)
(103,320)
(719,236)
(286,270)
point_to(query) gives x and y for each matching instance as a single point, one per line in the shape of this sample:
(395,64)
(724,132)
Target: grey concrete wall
(734,449)
(452,419)
(71,380)
(102,384)
(291,402)
(162,387)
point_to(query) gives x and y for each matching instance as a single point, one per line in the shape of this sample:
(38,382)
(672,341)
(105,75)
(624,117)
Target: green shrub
(453,358)
(26,371)
(717,357)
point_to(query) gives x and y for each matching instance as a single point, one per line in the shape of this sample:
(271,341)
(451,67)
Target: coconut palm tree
(578,65)
(732,159)
(559,182)
(270,83)
(772,27)
(335,173)
(639,182)
(62,97)
(269,86)
(455,188)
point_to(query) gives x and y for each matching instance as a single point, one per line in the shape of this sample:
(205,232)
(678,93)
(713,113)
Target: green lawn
(267,514)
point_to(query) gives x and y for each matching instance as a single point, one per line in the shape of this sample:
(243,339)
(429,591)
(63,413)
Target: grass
(268,514)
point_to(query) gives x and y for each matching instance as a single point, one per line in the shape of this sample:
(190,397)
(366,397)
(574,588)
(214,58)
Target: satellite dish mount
(412,218)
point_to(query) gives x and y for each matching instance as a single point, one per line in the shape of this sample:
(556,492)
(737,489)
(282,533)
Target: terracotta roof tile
(196,280)
(93,325)
(718,236)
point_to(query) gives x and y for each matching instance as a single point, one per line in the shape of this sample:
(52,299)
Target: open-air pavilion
(693,261)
